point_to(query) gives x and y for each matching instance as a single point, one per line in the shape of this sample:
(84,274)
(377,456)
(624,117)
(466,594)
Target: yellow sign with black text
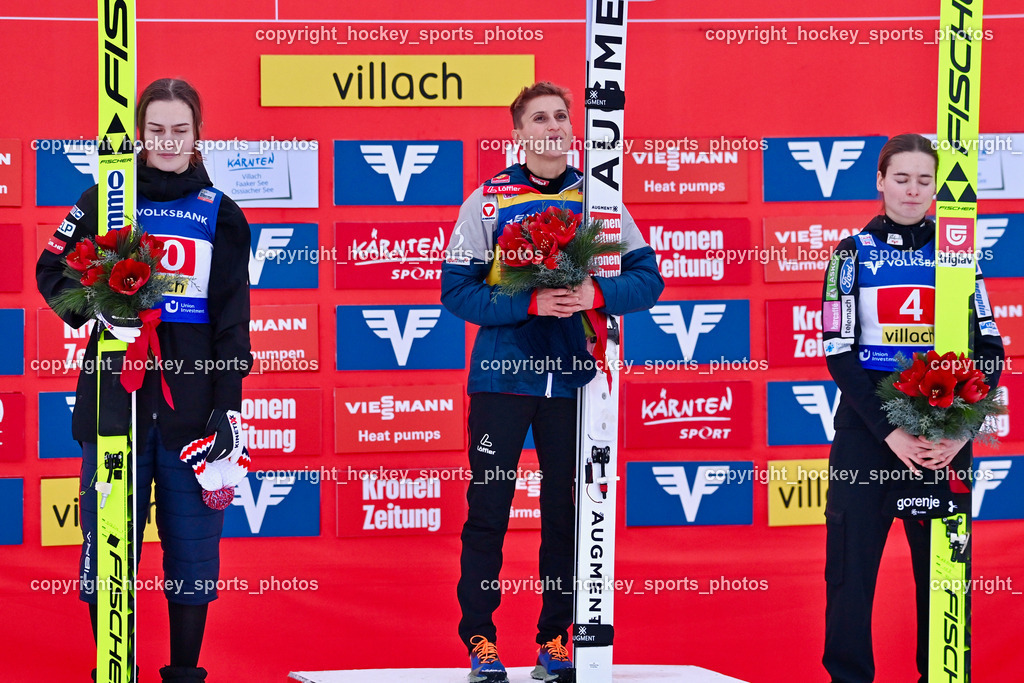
(796,492)
(393,80)
(60,516)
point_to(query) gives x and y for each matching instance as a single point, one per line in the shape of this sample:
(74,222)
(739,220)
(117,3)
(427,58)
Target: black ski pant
(497,429)
(857,525)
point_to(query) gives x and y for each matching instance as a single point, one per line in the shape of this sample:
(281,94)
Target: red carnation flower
(108,241)
(128,276)
(91,277)
(937,386)
(973,390)
(83,256)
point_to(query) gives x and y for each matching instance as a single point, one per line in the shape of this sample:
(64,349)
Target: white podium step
(624,673)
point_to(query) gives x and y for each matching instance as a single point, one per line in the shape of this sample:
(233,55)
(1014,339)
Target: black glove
(226,426)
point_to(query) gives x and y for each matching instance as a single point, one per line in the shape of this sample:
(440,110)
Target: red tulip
(91,277)
(973,390)
(128,276)
(108,241)
(937,386)
(83,256)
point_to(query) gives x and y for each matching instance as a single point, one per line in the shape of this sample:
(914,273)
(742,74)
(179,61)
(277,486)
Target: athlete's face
(544,130)
(168,135)
(908,186)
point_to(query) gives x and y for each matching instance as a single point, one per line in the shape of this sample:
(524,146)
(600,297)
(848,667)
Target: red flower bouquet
(120,274)
(939,397)
(551,249)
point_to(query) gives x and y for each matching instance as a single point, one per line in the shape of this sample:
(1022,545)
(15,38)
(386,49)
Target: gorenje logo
(382,158)
(418,324)
(810,157)
(703,319)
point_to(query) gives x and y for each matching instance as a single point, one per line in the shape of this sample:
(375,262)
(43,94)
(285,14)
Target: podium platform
(622,673)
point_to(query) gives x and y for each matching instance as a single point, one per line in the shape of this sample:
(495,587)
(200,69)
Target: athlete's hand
(586,294)
(560,303)
(942,453)
(910,449)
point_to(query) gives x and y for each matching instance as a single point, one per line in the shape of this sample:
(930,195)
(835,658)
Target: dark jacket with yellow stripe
(501,362)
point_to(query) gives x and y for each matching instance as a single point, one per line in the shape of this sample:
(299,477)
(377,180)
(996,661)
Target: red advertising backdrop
(734,73)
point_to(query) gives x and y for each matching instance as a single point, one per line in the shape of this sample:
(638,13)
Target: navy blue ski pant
(497,429)
(189,530)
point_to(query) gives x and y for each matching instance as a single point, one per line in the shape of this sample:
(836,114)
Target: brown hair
(168,90)
(906,142)
(538,89)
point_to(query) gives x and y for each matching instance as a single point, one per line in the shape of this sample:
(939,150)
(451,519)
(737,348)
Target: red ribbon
(599,322)
(133,371)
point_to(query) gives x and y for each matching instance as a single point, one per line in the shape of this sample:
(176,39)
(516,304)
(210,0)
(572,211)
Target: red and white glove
(219,461)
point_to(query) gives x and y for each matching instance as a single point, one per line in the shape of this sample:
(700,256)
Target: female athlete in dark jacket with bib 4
(204,341)
(878,302)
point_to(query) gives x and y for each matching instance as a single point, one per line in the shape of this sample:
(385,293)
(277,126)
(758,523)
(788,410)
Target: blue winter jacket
(504,359)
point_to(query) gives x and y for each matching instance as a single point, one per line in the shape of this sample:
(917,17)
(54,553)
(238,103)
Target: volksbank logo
(382,159)
(1006,230)
(815,401)
(810,157)
(703,319)
(998,488)
(817,169)
(64,170)
(377,173)
(678,494)
(283,256)
(399,337)
(384,324)
(674,481)
(12,505)
(801,413)
(696,331)
(274,504)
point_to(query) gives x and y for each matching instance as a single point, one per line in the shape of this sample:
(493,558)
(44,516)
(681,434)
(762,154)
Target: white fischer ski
(598,406)
(117,545)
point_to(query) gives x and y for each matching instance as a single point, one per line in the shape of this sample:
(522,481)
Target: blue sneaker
(553,663)
(484,665)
